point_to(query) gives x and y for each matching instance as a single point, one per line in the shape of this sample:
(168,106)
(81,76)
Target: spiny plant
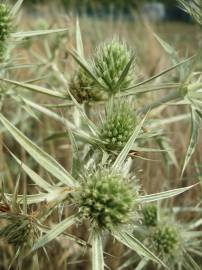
(101,191)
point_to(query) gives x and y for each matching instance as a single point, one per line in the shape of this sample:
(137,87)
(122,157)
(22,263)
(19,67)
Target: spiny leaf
(163,195)
(54,232)
(97,252)
(43,158)
(16,7)
(35,33)
(133,243)
(195,124)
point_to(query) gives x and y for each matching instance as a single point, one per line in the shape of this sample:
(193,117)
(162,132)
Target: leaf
(161,73)
(133,243)
(79,43)
(54,232)
(124,73)
(97,252)
(86,67)
(163,195)
(16,7)
(43,158)
(38,180)
(123,154)
(36,88)
(35,33)
(195,124)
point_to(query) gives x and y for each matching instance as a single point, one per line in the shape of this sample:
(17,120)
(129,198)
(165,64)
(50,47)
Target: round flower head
(82,87)
(150,215)
(21,230)
(166,241)
(118,126)
(110,61)
(106,199)
(5,22)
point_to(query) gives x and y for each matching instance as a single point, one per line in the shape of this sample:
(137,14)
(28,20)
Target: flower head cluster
(118,126)
(21,230)
(110,62)
(166,240)
(5,22)
(106,199)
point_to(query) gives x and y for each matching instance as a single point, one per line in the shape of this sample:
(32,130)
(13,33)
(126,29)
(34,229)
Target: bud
(118,126)
(109,63)
(150,215)
(106,199)
(82,87)
(5,22)
(166,240)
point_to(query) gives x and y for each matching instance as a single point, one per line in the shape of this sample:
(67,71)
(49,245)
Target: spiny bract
(166,240)
(150,215)
(21,230)
(109,63)
(118,126)
(5,22)
(82,87)
(106,199)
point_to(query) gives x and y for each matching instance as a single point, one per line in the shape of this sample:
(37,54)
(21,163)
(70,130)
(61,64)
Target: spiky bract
(106,199)
(109,63)
(118,126)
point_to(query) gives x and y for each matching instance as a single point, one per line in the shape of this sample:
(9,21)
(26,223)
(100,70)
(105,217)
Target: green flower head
(5,22)
(110,61)
(82,87)
(118,126)
(166,240)
(106,199)
(150,215)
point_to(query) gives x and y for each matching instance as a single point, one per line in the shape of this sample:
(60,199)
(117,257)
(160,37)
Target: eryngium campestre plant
(107,200)
(5,22)
(110,61)
(166,241)
(118,126)
(82,87)
(20,231)
(149,215)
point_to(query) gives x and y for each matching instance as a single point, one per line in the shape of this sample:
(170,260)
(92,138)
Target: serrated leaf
(43,158)
(36,88)
(38,180)
(133,243)
(163,195)
(54,232)
(97,252)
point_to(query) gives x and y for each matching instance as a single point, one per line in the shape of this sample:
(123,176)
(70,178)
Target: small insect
(134,154)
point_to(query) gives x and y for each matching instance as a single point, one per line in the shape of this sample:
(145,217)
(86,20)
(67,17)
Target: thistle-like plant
(118,126)
(114,66)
